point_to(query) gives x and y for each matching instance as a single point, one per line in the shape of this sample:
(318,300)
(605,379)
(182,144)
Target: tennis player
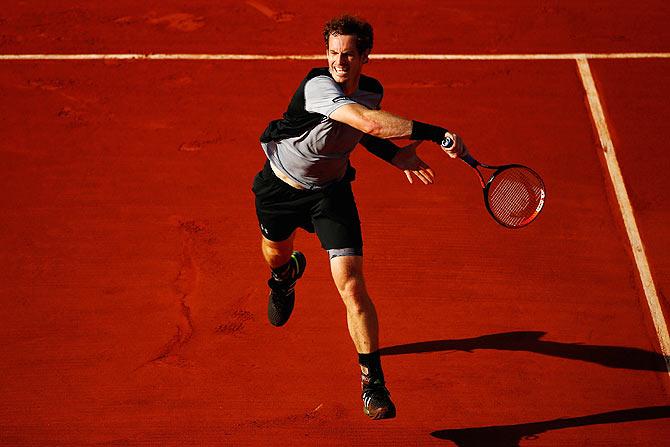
(306,183)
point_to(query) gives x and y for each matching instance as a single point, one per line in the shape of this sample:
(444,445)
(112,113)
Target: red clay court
(133,288)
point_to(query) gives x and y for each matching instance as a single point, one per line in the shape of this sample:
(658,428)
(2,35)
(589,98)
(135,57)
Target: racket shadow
(512,435)
(610,356)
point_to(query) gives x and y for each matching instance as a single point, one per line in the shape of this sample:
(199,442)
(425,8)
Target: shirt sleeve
(323,95)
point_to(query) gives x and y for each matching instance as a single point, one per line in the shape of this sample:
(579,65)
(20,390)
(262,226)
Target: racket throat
(481,179)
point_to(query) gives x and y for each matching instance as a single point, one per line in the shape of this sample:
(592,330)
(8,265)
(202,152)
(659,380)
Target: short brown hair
(348,25)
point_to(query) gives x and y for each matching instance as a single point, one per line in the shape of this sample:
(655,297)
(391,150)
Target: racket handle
(448,143)
(470,160)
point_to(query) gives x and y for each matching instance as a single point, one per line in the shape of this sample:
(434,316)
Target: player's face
(344,61)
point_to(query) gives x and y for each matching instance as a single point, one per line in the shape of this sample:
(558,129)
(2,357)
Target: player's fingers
(458,151)
(464,151)
(409,176)
(449,140)
(423,180)
(453,150)
(421,176)
(462,148)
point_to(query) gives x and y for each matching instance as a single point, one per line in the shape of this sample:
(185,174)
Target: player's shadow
(610,356)
(512,435)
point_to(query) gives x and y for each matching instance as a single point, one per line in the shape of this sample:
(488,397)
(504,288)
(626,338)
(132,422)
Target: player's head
(348,25)
(348,43)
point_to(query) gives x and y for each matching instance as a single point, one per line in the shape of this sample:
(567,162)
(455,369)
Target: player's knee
(353,294)
(348,276)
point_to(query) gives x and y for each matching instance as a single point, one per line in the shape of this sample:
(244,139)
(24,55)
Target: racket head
(514,195)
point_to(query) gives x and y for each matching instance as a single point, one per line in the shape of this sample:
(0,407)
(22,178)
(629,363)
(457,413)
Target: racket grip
(447,143)
(470,160)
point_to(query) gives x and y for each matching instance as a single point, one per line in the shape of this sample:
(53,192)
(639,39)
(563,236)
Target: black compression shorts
(330,212)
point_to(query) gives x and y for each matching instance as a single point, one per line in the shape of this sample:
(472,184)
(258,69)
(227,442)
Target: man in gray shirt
(306,183)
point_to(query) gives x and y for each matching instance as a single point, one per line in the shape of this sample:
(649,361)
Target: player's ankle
(283,272)
(371,368)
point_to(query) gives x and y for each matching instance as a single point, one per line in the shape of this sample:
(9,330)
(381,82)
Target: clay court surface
(134,292)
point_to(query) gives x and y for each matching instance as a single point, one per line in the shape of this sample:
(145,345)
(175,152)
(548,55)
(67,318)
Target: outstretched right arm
(378,123)
(385,125)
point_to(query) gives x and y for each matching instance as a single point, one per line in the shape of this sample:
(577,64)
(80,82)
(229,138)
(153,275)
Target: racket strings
(515,196)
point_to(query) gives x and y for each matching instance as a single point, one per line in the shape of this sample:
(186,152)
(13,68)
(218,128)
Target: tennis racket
(514,194)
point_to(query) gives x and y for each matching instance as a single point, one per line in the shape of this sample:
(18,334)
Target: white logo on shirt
(341,98)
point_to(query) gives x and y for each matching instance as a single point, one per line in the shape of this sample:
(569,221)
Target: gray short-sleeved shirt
(319,155)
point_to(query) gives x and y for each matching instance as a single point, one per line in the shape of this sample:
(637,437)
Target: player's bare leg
(347,273)
(287,267)
(277,254)
(363,326)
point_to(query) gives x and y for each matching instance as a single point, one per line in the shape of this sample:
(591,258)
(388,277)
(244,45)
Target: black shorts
(330,212)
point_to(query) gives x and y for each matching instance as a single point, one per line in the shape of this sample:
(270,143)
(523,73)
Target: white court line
(516,57)
(264,57)
(626,209)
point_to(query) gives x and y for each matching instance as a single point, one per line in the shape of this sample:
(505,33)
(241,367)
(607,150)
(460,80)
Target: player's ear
(365,57)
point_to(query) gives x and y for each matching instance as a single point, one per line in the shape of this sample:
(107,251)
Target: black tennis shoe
(282,291)
(376,399)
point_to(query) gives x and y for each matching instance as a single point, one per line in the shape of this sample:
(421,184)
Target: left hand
(407,160)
